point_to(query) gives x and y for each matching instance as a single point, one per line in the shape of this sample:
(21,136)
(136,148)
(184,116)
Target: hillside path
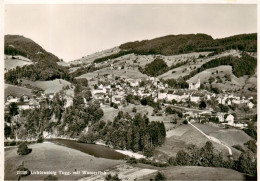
(213,139)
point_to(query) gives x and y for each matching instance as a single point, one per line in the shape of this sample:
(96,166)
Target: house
(116,99)
(34,104)
(250,105)
(170,97)
(194,99)
(162,96)
(23,106)
(25,98)
(194,86)
(220,116)
(99,90)
(230,119)
(11,99)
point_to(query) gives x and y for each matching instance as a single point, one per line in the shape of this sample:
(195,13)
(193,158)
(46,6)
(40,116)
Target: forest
(155,68)
(178,44)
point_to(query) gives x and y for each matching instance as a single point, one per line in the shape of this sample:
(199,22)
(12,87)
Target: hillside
(20,45)
(44,68)
(12,62)
(176,44)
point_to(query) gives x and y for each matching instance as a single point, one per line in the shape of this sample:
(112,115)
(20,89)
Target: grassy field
(230,137)
(130,73)
(17,91)
(180,138)
(52,86)
(51,157)
(13,63)
(198,173)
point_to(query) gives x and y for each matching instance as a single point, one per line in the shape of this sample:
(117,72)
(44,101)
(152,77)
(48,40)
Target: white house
(230,119)
(194,86)
(11,99)
(170,97)
(194,99)
(162,96)
(250,105)
(220,116)
(99,90)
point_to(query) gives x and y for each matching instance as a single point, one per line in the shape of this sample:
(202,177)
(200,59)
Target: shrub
(134,109)
(109,177)
(131,160)
(238,147)
(23,149)
(185,122)
(159,177)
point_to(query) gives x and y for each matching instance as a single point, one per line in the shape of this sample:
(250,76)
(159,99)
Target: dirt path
(213,139)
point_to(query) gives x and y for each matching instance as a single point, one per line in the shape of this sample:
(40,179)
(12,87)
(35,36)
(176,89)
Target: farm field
(229,137)
(51,157)
(52,86)
(180,138)
(198,173)
(130,73)
(17,91)
(13,63)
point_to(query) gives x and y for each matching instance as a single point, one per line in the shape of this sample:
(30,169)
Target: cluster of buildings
(27,102)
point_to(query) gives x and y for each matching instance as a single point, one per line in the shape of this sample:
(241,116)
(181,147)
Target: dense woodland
(177,44)
(125,132)
(155,68)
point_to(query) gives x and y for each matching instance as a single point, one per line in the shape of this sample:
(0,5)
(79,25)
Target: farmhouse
(230,119)
(194,86)
(11,99)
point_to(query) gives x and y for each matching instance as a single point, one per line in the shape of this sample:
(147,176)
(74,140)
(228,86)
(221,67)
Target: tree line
(208,157)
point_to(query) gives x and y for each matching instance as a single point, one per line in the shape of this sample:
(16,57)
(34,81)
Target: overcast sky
(73,31)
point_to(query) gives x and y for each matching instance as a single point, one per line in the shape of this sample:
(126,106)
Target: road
(212,138)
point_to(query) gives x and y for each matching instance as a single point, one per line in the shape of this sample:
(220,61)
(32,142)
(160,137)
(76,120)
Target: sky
(73,31)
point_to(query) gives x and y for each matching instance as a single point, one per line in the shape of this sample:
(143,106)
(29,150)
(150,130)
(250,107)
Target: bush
(23,149)
(238,147)
(185,122)
(134,109)
(159,177)
(131,160)
(109,177)
(251,145)
(40,139)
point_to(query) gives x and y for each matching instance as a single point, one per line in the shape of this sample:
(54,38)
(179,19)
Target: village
(112,91)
